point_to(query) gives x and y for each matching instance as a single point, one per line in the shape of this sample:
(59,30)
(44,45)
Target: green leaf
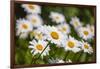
(28,57)
(70,55)
(77,56)
(83,57)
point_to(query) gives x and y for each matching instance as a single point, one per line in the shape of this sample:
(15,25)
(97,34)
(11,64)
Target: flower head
(85,33)
(54,35)
(71,44)
(32,8)
(57,17)
(75,22)
(86,47)
(38,47)
(35,19)
(91,27)
(23,27)
(64,28)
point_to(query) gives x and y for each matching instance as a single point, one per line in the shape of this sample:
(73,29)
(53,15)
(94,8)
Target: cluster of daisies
(42,35)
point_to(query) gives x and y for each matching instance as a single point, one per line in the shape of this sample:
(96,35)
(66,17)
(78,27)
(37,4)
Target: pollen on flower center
(31,6)
(39,36)
(34,20)
(25,26)
(39,47)
(86,33)
(71,44)
(57,17)
(54,35)
(64,28)
(86,46)
(76,23)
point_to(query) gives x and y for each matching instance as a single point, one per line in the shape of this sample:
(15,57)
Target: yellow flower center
(40,36)
(86,33)
(86,46)
(34,20)
(39,47)
(31,6)
(64,28)
(25,26)
(71,44)
(54,35)
(76,23)
(57,17)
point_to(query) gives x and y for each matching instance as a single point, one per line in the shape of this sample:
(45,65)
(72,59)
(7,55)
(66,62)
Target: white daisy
(71,44)
(38,35)
(57,17)
(91,27)
(32,8)
(64,28)
(38,47)
(23,27)
(35,19)
(86,47)
(54,35)
(85,33)
(75,22)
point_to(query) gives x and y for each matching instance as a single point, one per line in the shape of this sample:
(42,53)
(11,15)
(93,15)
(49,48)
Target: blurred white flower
(75,22)
(54,35)
(35,19)
(32,8)
(85,33)
(86,47)
(38,47)
(57,17)
(23,28)
(38,34)
(64,28)
(71,44)
(91,27)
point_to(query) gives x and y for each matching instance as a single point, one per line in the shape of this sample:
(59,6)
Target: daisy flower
(38,47)
(91,27)
(86,47)
(38,35)
(85,33)
(35,19)
(54,35)
(23,27)
(71,44)
(32,8)
(64,28)
(75,22)
(57,17)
